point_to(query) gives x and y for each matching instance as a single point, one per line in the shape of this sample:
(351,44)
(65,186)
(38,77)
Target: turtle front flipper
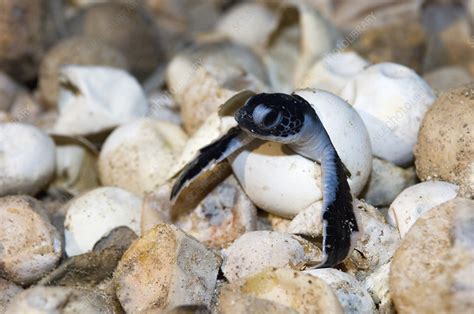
(340,227)
(209,156)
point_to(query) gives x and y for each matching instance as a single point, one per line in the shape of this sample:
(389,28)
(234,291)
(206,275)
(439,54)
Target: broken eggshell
(95,98)
(138,155)
(203,77)
(283,182)
(392,100)
(95,214)
(418,199)
(216,221)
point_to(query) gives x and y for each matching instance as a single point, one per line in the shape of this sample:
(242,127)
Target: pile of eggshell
(128,92)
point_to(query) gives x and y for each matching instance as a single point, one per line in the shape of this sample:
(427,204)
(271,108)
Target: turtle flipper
(209,156)
(340,225)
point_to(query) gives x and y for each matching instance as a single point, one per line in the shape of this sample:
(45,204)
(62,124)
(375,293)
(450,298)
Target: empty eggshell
(95,98)
(351,293)
(418,199)
(332,72)
(28,159)
(94,214)
(137,156)
(283,182)
(392,100)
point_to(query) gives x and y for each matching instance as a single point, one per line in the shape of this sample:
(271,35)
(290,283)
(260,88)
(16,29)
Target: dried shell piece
(254,251)
(217,220)
(279,290)
(163,269)
(351,293)
(418,199)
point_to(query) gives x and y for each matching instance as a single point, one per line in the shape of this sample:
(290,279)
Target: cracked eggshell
(392,100)
(418,199)
(333,72)
(445,147)
(204,76)
(351,293)
(387,180)
(282,290)
(138,155)
(283,182)
(95,98)
(28,159)
(95,214)
(254,251)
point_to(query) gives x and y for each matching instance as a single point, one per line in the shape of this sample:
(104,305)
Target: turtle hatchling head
(274,117)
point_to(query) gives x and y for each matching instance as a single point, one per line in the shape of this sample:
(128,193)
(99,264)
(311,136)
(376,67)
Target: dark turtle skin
(291,120)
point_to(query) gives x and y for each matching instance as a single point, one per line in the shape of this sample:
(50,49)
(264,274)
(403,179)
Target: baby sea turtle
(291,120)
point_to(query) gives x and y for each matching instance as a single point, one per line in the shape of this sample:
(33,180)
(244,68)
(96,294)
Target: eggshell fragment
(256,250)
(351,293)
(138,155)
(332,72)
(93,99)
(283,182)
(95,214)
(78,51)
(392,100)
(445,147)
(418,199)
(28,159)
(283,290)
(163,269)
(31,246)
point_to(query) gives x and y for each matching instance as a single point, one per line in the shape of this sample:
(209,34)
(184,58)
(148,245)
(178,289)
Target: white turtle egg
(418,199)
(332,72)
(93,215)
(283,182)
(392,100)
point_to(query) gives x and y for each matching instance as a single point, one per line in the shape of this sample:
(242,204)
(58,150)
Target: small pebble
(163,269)
(30,245)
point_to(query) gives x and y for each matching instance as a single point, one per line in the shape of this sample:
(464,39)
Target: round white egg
(392,100)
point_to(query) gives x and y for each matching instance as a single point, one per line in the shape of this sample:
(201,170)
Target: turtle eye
(271,119)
